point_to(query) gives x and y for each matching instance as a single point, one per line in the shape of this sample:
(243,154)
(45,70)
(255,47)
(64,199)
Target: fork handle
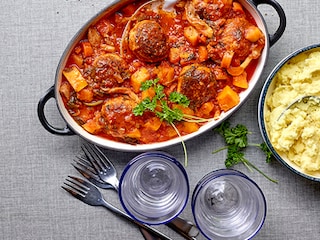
(185,228)
(151,230)
(147,235)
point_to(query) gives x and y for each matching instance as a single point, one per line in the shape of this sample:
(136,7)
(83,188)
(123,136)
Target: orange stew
(205,50)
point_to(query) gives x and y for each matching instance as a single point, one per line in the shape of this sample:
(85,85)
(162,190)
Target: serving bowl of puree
(289,112)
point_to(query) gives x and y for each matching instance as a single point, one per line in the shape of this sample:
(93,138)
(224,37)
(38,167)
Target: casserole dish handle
(282,17)
(42,102)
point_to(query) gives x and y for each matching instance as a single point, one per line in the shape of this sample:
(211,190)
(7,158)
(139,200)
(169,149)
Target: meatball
(197,82)
(118,118)
(110,69)
(213,10)
(148,41)
(232,39)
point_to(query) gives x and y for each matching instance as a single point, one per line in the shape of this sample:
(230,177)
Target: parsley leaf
(236,136)
(179,98)
(267,152)
(148,84)
(236,141)
(166,113)
(234,156)
(145,104)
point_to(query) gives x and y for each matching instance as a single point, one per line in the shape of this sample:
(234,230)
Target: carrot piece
(153,124)
(227,2)
(253,33)
(203,53)
(206,108)
(85,95)
(227,59)
(92,126)
(189,127)
(191,34)
(241,80)
(185,110)
(171,132)
(135,133)
(174,55)
(87,49)
(138,77)
(237,7)
(77,59)
(227,98)
(75,78)
(150,93)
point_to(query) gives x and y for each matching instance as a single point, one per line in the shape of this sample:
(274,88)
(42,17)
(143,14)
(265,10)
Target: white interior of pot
(103,142)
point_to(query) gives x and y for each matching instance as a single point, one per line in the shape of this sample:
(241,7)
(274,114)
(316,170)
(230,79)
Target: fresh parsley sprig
(161,104)
(160,100)
(165,111)
(236,141)
(179,98)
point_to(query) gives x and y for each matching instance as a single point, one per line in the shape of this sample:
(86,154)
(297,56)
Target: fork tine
(104,168)
(85,165)
(98,157)
(87,174)
(78,183)
(91,158)
(84,161)
(74,189)
(103,158)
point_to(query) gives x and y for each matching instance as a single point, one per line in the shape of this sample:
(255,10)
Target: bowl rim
(261,105)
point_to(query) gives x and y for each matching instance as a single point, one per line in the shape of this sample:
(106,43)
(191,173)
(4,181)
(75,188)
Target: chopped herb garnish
(179,98)
(236,141)
(165,113)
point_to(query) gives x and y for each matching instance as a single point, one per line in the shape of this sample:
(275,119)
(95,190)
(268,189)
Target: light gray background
(34,163)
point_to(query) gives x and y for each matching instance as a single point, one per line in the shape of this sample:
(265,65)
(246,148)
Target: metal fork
(99,170)
(89,194)
(101,163)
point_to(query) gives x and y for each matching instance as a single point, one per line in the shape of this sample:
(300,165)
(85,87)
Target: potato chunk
(75,78)
(138,77)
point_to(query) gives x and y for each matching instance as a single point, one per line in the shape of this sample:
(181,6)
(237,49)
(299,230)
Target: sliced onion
(93,103)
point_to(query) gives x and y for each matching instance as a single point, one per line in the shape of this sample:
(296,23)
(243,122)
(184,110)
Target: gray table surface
(34,163)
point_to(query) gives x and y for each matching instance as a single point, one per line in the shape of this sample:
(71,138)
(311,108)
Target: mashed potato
(296,134)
